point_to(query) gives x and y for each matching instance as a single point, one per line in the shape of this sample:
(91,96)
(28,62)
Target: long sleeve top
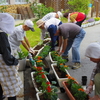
(95,71)
(5,50)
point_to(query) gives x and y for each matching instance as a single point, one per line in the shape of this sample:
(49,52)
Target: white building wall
(13,1)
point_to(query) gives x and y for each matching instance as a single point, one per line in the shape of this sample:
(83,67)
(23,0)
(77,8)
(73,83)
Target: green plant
(45,51)
(76,89)
(40,74)
(39,63)
(62,67)
(97,18)
(40,9)
(21,55)
(54,55)
(60,61)
(79,5)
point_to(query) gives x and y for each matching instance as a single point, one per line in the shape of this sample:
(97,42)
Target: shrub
(79,5)
(40,9)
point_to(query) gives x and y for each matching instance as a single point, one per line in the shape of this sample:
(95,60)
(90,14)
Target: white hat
(59,14)
(7,23)
(93,50)
(40,22)
(30,24)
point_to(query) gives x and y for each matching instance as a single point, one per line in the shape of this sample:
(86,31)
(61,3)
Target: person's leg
(52,30)
(75,48)
(43,34)
(12,98)
(97,84)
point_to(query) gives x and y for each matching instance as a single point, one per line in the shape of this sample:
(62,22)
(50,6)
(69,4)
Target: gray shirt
(69,30)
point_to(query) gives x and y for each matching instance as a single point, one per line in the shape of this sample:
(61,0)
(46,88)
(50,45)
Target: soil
(38,47)
(33,55)
(42,97)
(46,41)
(60,73)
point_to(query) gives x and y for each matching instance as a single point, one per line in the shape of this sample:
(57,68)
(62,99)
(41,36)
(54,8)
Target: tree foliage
(40,9)
(79,5)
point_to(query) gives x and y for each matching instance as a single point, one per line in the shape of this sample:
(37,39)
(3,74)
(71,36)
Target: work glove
(31,50)
(89,89)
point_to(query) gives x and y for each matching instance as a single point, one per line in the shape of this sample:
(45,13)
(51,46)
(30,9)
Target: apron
(9,79)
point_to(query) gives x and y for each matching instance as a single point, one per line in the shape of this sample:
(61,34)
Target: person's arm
(25,46)
(27,42)
(5,50)
(73,18)
(60,43)
(91,83)
(64,45)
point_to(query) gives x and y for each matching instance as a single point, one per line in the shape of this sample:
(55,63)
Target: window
(20,1)
(4,2)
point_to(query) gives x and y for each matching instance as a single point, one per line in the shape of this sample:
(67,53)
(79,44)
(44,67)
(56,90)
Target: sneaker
(65,57)
(76,66)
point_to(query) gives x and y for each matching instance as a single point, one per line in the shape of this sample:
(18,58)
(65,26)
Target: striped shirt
(49,16)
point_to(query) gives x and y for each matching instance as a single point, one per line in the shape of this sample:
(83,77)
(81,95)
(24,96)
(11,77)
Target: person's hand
(89,89)
(60,53)
(58,50)
(75,22)
(31,50)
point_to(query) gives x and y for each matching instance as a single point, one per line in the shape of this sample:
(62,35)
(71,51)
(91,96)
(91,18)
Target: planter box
(69,94)
(46,41)
(60,80)
(22,64)
(39,94)
(38,47)
(67,91)
(34,83)
(52,61)
(97,22)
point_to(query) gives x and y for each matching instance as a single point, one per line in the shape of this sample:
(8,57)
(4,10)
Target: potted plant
(42,63)
(43,85)
(54,57)
(74,90)
(22,60)
(39,78)
(48,92)
(60,78)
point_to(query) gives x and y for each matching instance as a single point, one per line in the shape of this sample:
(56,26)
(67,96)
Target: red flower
(43,76)
(49,89)
(39,68)
(48,83)
(39,57)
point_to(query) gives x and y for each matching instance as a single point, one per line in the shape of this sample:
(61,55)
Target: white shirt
(52,21)
(17,36)
(49,16)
